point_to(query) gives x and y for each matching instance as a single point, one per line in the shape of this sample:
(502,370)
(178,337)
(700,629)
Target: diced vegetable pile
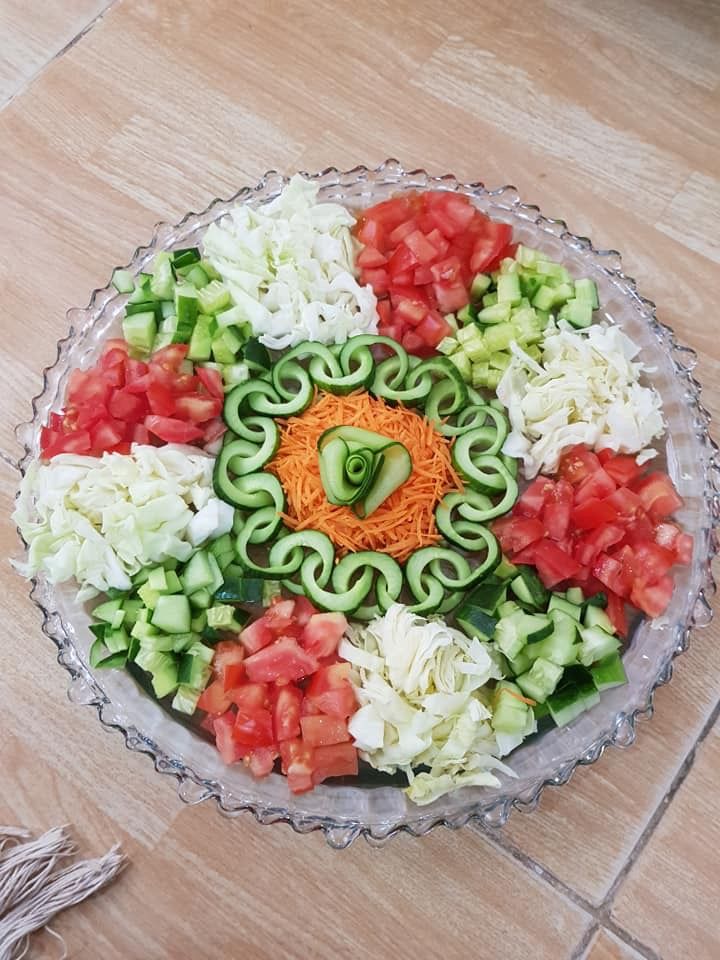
(361,489)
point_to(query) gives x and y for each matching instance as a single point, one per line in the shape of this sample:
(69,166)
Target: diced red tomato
(303,610)
(517,532)
(617,536)
(256,636)
(322,633)
(214,698)
(616,612)
(124,405)
(651,562)
(653,599)
(229,748)
(227,652)
(557,509)
(141,434)
(553,564)
(593,513)
(261,760)
(596,485)
(198,409)
(577,463)
(251,696)
(286,712)
(589,545)
(283,660)
(254,728)
(161,399)
(172,430)
(280,615)
(322,731)
(297,765)
(213,430)
(331,691)
(122,401)
(233,676)
(658,496)
(532,500)
(336,760)
(622,468)
(625,503)
(611,572)
(489,249)
(265,714)
(212,381)
(425,248)
(371,257)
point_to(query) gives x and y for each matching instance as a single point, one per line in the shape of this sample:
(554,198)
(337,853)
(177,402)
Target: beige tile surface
(295,899)
(606,946)
(605,115)
(670,898)
(32,33)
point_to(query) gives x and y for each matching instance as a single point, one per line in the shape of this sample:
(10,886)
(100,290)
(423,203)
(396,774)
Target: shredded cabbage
(421,687)
(289,268)
(101,520)
(586,391)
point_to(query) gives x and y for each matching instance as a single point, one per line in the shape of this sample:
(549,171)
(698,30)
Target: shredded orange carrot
(527,700)
(405,521)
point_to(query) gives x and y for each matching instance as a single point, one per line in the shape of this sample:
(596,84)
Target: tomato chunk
(323,632)
(286,712)
(338,760)
(322,731)
(283,660)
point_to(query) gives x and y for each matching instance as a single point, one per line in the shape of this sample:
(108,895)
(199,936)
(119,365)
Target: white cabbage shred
(423,700)
(289,268)
(101,520)
(586,391)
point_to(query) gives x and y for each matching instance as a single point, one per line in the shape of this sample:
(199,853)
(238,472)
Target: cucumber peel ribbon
(360,468)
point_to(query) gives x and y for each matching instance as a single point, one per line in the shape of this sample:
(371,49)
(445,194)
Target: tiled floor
(120,114)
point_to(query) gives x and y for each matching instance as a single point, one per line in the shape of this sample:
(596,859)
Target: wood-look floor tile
(606,946)
(30,37)
(447,894)
(670,897)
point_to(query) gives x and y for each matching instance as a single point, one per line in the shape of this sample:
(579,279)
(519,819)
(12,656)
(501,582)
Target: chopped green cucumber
(596,645)
(575,595)
(510,713)
(479,286)
(475,622)
(172,614)
(529,589)
(123,281)
(541,680)
(140,330)
(596,617)
(609,672)
(557,602)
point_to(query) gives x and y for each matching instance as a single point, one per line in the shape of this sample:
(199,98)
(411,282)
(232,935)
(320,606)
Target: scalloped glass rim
(346,812)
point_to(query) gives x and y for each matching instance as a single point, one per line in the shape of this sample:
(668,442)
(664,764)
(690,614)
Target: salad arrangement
(360,489)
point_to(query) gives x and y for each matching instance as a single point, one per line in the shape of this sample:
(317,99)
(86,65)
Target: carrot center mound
(406,520)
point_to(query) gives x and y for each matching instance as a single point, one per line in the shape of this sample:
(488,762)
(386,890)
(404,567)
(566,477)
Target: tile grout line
(602,912)
(659,812)
(583,945)
(56,56)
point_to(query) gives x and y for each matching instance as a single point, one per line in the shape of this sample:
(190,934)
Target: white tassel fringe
(32,890)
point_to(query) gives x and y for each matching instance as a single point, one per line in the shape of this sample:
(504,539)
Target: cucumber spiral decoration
(367,582)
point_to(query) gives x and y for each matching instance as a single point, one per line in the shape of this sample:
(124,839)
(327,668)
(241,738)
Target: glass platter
(374,809)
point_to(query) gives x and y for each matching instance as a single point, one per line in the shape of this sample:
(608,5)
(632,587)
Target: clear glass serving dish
(378,811)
